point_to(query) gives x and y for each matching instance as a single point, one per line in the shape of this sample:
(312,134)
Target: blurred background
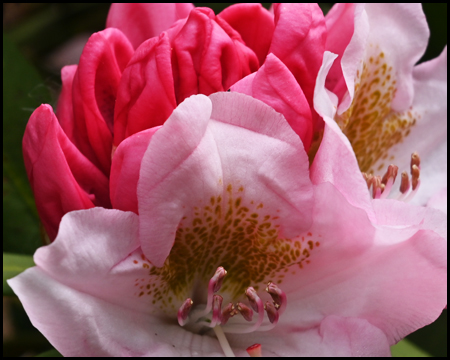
(38,40)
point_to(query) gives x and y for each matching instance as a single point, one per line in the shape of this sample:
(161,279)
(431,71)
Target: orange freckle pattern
(232,231)
(370,124)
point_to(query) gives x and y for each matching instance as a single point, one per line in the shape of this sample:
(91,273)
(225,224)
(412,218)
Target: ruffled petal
(61,177)
(146,95)
(209,152)
(299,42)
(94,94)
(64,111)
(208,55)
(125,167)
(392,273)
(334,337)
(275,85)
(83,295)
(140,22)
(255,25)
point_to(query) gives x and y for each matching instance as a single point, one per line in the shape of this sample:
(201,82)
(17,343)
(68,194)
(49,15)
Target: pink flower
(385,106)
(131,77)
(228,208)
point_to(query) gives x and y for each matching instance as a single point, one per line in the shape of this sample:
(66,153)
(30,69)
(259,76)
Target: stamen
(278,296)
(388,180)
(184,310)
(405,184)
(217,310)
(245,311)
(272,312)
(254,350)
(228,313)
(378,187)
(415,160)
(257,305)
(415,174)
(223,342)
(214,285)
(368,178)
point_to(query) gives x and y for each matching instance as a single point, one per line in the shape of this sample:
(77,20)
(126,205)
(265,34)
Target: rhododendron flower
(131,77)
(237,244)
(387,107)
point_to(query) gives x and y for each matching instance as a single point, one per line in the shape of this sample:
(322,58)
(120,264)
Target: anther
(388,180)
(278,296)
(184,310)
(217,278)
(228,312)
(272,312)
(254,299)
(217,310)
(245,311)
(405,184)
(214,285)
(254,350)
(415,160)
(378,187)
(368,178)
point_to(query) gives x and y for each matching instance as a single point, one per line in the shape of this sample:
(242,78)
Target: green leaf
(23,91)
(50,353)
(14,264)
(405,348)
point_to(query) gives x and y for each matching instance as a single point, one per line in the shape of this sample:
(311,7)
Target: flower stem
(223,342)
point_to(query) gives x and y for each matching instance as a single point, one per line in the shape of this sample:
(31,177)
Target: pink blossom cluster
(210,182)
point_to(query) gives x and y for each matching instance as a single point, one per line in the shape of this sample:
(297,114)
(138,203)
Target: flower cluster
(212,184)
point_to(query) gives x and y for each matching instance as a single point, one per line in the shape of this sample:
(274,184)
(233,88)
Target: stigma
(253,313)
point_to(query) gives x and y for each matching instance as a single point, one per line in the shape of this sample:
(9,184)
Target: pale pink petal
(82,294)
(333,337)
(428,135)
(222,146)
(140,22)
(255,25)
(439,200)
(125,167)
(299,42)
(61,177)
(94,94)
(394,275)
(145,96)
(275,85)
(64,111)
(374,25)
(335,161)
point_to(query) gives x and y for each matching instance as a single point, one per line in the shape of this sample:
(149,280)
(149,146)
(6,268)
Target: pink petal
(140,22)
(126,164)
(393,274)
(429,134)
(209,147)
(61,177)
(299,42)
(94,94)
(340,26)
(333,336)
(439,200)
(64,111)
(82,293)
(145,97)
(208,56)
(335,161)
(255,25)
(274,85)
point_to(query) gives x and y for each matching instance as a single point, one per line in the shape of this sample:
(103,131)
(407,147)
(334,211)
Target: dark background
(47,37)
